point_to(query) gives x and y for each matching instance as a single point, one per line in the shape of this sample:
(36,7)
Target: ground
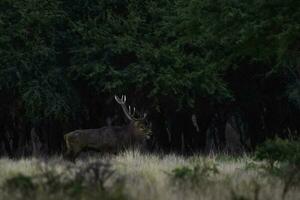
(132,175)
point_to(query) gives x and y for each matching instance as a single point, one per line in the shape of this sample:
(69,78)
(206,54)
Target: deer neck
(132,129)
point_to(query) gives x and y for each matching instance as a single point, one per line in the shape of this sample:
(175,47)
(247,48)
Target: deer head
(137,120)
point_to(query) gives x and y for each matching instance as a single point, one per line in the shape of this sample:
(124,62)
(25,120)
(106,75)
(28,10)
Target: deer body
(109,138)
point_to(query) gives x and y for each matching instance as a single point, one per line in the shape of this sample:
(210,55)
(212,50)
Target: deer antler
(127,111)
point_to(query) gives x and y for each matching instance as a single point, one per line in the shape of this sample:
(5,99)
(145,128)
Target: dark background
(231,65)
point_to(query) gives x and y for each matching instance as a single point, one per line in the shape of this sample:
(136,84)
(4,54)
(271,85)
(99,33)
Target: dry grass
(152,177)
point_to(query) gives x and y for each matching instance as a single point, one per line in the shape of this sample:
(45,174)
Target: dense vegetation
(130,175)
(194,66)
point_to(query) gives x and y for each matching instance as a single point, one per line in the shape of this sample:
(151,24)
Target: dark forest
(201,70)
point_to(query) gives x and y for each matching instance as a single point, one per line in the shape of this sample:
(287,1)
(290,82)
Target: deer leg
(75,152)
(68,155)
(72,152)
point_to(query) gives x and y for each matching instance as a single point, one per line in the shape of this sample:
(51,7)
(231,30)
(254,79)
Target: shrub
(194,175)
(19,183)
(281,150)
(73,182)
(287,152)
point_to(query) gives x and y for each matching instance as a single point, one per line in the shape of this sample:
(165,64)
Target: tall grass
(132,175)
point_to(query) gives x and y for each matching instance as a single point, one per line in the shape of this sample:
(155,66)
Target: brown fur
(109,138)
(106,139)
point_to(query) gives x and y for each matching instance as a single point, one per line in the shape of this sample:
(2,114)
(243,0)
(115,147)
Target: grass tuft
(132,175)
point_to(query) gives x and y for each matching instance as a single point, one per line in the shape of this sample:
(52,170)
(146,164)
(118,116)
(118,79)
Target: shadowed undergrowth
(131,175)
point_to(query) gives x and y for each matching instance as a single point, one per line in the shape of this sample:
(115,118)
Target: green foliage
(194,176)
(31,66)
(293,93)
(20,183)
(61,60)
(281,150)
(86,181)
(287,152)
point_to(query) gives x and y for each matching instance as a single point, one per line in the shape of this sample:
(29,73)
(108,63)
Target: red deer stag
(109,138)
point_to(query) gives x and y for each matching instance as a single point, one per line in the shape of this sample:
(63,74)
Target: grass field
(131,175)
